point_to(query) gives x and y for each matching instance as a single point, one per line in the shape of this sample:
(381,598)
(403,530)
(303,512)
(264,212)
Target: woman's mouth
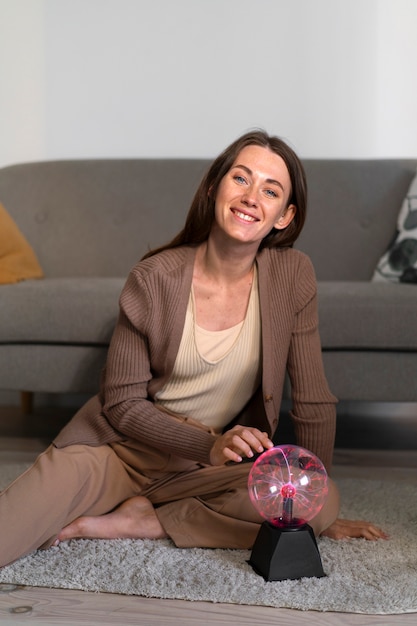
(244,216)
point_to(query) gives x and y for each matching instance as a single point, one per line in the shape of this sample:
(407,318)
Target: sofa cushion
(399,263)
(81,311)
(367,315)
(17,258)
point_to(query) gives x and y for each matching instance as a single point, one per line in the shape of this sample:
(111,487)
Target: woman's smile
(244,216)
(252,197)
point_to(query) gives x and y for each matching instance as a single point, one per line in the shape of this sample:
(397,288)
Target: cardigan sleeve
(127,405)
(313,405)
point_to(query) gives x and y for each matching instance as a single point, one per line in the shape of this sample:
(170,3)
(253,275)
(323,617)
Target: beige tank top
(215,372)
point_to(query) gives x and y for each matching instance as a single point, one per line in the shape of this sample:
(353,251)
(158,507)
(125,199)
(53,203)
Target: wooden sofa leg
(26,402)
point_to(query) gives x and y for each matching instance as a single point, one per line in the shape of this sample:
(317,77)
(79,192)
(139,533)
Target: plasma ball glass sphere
(288,485)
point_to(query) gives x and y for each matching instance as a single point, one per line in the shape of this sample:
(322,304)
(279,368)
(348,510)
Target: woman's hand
(239,442)
(353,529)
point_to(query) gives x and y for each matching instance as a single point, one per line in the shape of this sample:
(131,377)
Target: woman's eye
(271,193)
(240,179)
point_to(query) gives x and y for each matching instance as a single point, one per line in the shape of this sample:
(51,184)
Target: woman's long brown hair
(201,214)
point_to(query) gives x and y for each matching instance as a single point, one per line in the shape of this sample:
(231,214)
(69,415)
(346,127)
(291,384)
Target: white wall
(22,81)
(396,94)
(127,78)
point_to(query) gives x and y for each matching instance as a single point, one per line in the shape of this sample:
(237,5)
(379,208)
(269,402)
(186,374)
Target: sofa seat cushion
(367,315)
(83,311)
(60,310)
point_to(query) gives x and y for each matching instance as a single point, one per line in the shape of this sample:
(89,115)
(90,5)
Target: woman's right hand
(239,442)
(354,529)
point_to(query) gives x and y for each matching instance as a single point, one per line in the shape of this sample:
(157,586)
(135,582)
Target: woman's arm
(313,405)
(140,352)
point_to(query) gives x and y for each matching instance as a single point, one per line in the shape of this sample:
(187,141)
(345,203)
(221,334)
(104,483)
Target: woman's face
(252,197)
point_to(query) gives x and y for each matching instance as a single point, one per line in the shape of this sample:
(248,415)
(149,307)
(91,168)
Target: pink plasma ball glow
(288,485)
(288,491)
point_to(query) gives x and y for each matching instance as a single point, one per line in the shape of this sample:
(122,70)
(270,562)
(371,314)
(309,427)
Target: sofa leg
(26,402)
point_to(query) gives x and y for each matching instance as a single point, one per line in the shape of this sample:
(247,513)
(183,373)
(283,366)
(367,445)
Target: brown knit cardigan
(146,340)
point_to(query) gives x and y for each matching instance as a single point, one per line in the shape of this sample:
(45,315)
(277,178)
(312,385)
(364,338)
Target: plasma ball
(288,485)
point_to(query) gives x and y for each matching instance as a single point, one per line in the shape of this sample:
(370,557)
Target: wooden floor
(22,437)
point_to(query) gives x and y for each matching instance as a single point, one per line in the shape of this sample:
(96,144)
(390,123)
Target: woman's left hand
(239,442)
(353,529)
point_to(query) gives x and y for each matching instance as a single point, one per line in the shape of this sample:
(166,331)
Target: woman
(208,326)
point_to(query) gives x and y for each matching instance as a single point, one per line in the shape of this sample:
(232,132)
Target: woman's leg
(208,508)
(135,518)
(61,485)
(211,508)
(203,507)
(329,512)
(226,519)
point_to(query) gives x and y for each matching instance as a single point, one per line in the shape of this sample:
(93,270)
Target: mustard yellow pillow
(17,258)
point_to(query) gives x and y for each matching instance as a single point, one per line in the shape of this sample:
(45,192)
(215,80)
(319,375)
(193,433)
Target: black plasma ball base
(286,553)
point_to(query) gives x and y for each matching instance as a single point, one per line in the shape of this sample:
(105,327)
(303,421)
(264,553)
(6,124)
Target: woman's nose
(250,197)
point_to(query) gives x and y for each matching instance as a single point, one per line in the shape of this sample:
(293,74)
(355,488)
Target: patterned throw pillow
(399,263)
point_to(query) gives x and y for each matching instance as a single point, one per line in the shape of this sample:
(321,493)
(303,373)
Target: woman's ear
(286,218)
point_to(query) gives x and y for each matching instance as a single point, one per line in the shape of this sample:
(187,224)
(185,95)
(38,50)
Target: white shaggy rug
(361,577)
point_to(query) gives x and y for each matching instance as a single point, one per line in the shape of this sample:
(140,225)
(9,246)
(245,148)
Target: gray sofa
(89,221)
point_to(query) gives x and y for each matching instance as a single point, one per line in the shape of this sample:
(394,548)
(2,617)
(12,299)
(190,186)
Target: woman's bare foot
(133,519)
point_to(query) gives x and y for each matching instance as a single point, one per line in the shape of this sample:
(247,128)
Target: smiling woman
(252,200)
(209,325)
(254,194)
(200,217)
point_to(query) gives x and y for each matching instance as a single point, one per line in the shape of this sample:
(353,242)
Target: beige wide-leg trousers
(197,505)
